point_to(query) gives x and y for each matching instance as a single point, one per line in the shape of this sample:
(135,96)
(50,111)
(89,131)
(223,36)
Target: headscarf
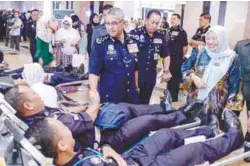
(70,35)
(91,20)
(220,62)
(76,21)
(33,73)
(42,29)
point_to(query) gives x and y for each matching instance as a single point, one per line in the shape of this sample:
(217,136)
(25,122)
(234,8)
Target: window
(67,4)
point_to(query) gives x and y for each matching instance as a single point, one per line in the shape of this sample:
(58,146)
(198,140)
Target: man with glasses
(31,33)
(113,62)
(152,46)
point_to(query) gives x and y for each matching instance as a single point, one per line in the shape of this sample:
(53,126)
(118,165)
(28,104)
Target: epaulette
(102,39)
(134,36)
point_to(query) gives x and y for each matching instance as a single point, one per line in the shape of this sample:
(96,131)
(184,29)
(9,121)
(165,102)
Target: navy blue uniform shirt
(150,50)
(177,39)
(80,124)
(31,31)
(115,62)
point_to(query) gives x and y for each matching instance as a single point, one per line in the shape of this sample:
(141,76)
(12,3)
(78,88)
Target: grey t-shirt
(16,31)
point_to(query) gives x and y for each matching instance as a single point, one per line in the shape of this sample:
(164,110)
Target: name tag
(111,52)
(175,33)
(132,48)
(157,41)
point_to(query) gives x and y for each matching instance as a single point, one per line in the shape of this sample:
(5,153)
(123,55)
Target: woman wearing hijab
(43,41)
(66,38)
(76,22)
(93,22)
(215,74)
(34,76)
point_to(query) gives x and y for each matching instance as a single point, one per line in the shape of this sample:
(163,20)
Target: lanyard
(97,154)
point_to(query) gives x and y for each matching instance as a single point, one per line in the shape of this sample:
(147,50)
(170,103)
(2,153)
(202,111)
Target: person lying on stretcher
(143,118)
(167,147)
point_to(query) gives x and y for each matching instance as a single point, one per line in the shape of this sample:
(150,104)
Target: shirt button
(126,65)
(107,95)
(128,82)
(148,63)
(128,74)
(128,90)
(146,68)
(148,57)
(111,59)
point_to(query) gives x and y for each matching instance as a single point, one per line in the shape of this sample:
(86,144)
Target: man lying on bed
(165,148)
(30,108)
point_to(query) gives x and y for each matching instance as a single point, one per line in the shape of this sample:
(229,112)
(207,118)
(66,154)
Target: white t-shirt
(16,31)
(47,93)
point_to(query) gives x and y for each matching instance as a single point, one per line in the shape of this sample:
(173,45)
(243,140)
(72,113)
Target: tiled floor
(17,60)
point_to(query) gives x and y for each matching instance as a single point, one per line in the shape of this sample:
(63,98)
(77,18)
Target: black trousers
(247,137)
(33,52)
(174,86)
(14,42)
(145,95)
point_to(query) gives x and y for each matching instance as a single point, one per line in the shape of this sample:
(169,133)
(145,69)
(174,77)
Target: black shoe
(166,102)
(214,124)
(191,109)
(232,120)
(247,146)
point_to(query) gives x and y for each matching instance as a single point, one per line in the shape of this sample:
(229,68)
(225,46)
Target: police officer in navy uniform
(164,148)
(152,46)
(199,37)
(31,33)
(178,46)
(113,62)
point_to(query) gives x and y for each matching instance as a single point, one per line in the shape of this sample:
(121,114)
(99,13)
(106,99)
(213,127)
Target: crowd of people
(123,58)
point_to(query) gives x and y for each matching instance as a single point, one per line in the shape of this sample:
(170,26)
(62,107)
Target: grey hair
(116,12)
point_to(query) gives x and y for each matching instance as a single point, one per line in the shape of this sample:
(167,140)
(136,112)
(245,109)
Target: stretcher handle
(187,126)
(9,112)
(19,137)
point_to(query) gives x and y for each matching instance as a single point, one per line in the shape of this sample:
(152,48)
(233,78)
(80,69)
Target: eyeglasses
(113,23)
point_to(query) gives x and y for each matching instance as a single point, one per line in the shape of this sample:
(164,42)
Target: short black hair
(107,7)
(44,136)
(15,99)
(206,16)
(35,10)
(177,15)
(153,11)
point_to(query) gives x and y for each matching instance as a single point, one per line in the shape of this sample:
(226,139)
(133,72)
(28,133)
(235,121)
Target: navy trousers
(166,148)
(135,129)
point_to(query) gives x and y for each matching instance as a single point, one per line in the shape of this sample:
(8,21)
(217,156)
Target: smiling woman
(215,74)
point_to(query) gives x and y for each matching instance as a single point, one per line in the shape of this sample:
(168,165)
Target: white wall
(191,17)
(235,21)
(247,27)
(9,4)
(23,6)
(214,11)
